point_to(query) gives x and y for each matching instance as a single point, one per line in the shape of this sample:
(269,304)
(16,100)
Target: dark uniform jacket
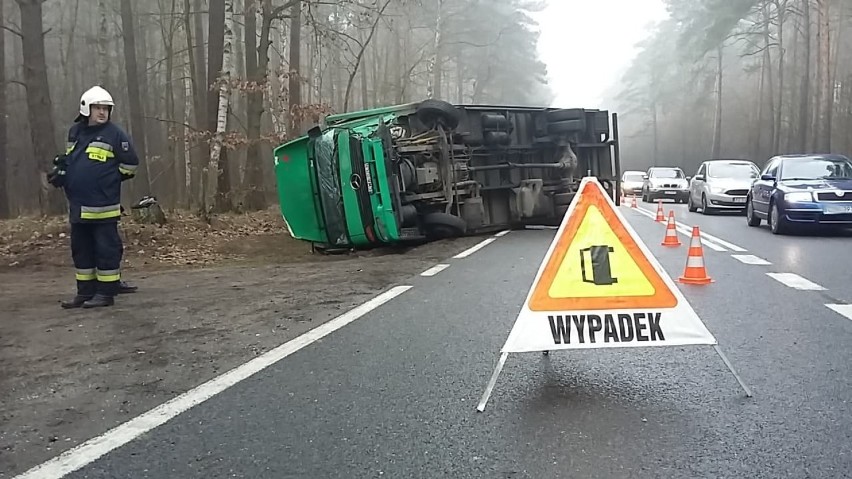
(98,159)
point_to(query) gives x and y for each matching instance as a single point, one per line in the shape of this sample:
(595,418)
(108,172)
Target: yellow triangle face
(596,265)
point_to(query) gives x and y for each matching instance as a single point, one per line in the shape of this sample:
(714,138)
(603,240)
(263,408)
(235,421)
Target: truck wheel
(566,126)
(443,225)
(436,112)
(562,115)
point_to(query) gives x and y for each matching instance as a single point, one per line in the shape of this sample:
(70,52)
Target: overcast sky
(599,36)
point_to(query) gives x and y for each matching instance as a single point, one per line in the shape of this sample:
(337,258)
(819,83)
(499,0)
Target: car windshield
(635,177)
(732,170)
(666,174)
(816,168)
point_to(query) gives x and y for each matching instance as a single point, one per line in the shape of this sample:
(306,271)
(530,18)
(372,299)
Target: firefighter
(98,158)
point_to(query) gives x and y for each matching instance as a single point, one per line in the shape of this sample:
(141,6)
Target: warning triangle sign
(599,286)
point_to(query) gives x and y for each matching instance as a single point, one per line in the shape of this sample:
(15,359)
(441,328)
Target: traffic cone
(633,204)
(671,238)
(695,272)
(661,216)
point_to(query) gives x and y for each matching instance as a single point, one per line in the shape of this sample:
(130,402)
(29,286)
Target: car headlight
(717,189)
(799,197)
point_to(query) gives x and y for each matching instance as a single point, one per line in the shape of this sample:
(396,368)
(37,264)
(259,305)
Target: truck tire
(566,126)
(563,115)
(443,226)
(436,112)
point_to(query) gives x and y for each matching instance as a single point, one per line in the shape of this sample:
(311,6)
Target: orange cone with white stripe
(661,216)
(633,204)
(695,272)
(671,238)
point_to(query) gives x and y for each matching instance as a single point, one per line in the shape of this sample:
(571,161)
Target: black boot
(124,287)
(76,302)
(99,301)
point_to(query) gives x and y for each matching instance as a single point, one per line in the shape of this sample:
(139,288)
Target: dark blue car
(802,190)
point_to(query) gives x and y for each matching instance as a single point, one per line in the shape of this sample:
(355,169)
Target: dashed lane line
(750,259)
(842,309)
(89,451)
(502,233)
(434,270)
(795,281)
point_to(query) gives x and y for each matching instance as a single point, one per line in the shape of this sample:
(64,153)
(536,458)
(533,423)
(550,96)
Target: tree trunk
(137,115)
(5,209)
(295,86)
(39,106)
(200,64)
(215,167)
(195,156)
(433,90)
(824,90)
(216,57)
(255,196)
(782,15)
(717,126)
(805,94)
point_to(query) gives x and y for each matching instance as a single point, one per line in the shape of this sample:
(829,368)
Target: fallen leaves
(185,240)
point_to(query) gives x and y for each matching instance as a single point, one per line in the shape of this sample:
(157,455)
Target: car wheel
(753,219)
(690,205)
(705,210)
(777,223)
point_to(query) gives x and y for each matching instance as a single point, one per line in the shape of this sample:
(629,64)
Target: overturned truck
(432,170)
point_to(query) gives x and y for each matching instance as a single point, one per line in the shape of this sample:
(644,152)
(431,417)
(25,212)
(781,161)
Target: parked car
(802,190)
(665,182)
(721,185)
(631,183)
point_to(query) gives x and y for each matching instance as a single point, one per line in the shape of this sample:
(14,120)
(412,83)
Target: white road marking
(750,259)
(724,243)
(684,230)
(475,248)
(73,459)
(705,236)
(795,281)
(843,309)
(435,270)
(502,233)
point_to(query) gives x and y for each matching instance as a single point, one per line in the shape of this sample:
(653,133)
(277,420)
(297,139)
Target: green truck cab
(430,170)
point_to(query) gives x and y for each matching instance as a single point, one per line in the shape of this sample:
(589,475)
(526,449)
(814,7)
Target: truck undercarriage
(470,169)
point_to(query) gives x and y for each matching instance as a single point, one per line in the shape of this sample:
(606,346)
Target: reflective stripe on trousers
(108,276)
(86,274)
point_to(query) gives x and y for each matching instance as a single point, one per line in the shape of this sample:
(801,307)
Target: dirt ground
(211,297)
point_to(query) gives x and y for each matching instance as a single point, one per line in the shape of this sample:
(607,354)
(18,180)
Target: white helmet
(94,96)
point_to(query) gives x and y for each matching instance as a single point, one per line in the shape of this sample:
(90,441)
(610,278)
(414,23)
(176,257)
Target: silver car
(721,185)
(631,183)
(665,182)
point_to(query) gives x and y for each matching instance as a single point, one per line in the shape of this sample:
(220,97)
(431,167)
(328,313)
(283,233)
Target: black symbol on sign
(601,270)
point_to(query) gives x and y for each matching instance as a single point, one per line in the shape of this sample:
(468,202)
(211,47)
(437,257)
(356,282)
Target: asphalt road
(393,394)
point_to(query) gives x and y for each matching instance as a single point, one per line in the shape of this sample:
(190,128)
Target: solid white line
(795,281)
(705,236)
(85,453)
(724,243)
(475,248)
(843,309)
(502,233)
(684,230)
(750,259)
(435,270)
